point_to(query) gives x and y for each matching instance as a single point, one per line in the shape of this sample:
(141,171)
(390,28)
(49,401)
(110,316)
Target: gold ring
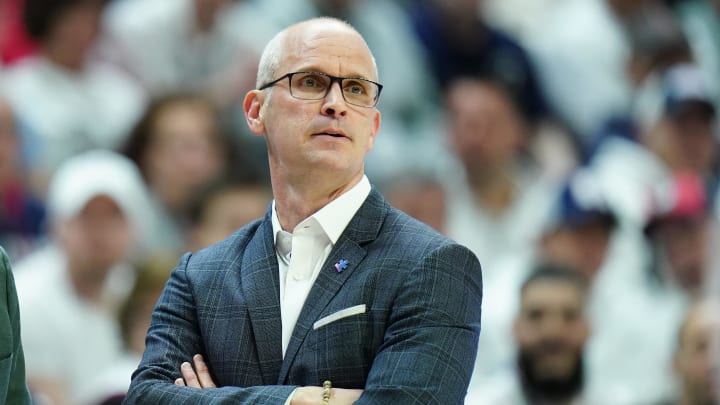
(326,392)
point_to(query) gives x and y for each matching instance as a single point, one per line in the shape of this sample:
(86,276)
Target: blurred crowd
(571,144)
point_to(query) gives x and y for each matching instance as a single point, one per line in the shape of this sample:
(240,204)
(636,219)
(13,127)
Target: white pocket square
(343,313)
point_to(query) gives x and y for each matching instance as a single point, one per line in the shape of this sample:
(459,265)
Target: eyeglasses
(317,85)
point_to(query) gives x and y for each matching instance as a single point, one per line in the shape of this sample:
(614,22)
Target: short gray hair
(272,54)
(270,59)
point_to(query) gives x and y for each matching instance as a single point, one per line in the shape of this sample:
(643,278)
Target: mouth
(335,133)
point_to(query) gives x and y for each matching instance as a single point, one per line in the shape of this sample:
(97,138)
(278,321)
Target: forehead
(100,203)
(329,48)
(550,294)
(470,96)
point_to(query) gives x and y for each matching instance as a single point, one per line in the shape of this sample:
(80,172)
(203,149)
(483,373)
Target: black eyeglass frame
(333,80)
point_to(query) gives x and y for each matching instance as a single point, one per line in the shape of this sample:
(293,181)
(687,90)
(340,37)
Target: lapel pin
(341,265)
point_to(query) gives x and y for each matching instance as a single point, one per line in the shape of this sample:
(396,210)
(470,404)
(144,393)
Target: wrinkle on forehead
(329,44)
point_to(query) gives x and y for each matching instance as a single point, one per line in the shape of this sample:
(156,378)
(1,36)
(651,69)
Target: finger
(189,375)
(203,372)
(180,382)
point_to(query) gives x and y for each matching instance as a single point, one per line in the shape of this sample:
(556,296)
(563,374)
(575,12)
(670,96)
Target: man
(577,236)
(70,290)
(497,198)
(581,228)
(67,98)
(550,332)
(696,372)
(333,284)
(679,233)
(12,366)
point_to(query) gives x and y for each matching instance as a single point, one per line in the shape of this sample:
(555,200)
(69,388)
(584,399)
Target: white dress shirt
(302,253)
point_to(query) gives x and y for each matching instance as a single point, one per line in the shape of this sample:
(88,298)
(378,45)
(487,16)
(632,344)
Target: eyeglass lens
(315,86)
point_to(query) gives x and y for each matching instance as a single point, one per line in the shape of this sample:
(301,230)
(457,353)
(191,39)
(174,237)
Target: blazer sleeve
(12,367)
(174,337)
(430,344)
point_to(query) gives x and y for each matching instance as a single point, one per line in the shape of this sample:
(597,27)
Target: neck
(88,283)
(298,197)
(173,197)
(64,57)
(492,187)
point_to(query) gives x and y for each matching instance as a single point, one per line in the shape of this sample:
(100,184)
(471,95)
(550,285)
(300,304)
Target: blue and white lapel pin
(341,265)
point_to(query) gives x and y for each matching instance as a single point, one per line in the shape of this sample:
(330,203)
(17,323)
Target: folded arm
(430,344)
(174,338)
(197,375)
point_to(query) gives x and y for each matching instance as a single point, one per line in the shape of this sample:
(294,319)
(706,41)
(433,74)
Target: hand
(199,377)
(314,396)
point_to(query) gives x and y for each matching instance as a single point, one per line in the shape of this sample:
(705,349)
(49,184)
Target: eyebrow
(316,69)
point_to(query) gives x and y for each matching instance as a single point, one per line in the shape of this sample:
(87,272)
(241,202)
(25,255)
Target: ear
(253,107)
(375,129)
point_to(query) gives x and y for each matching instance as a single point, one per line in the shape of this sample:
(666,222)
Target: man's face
(693,138)
(77,29)
(327,134)
(582,247)
(484,125)
(684,244)
(183,154)
(693,358)
(98,237)
(550,329)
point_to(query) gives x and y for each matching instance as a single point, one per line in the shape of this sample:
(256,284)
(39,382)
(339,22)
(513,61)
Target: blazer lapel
(364,227)
(261,288)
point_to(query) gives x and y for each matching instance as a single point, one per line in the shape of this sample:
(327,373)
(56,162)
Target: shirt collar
(336,215)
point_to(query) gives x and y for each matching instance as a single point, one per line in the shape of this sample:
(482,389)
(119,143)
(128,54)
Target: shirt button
(296,277)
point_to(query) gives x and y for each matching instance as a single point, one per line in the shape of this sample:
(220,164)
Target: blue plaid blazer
(415,344)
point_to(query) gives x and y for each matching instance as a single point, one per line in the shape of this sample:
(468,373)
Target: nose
(334,104)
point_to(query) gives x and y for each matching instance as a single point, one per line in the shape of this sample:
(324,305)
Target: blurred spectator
(419,195)
(69,292)
(409,136)
(458,42)
(108,386)
(224,207)
(22,214)
(657,43)
(674,133)
(519,17)
(179,149)
(679,234)
(697,375)
(67,99)
(580,50)
(550,332)
(577,236)
(683,136)
(700,19)
(210,46)
(643,311)
(497,198)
